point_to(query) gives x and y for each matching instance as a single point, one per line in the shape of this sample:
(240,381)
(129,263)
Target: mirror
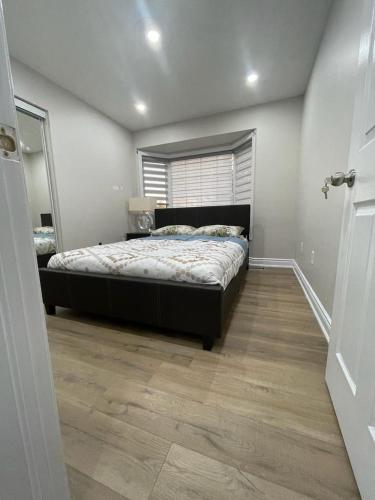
(38,185)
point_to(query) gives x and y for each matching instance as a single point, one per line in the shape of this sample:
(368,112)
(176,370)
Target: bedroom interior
(187,257)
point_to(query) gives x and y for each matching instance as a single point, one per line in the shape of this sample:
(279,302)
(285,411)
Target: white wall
(42,200)
(92,154)
(277,157)
(37,185)
(326,130)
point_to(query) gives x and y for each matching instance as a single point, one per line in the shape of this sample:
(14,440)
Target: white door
(31,465)
(351,358)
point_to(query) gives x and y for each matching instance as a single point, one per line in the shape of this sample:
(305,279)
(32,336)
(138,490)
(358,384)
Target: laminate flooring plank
(187,475)
(122,457)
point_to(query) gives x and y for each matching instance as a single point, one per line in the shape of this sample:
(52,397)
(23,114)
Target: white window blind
(243,175)
(155,180)
(202,181)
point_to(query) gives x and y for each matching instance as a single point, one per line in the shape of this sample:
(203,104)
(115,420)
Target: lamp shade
(142,204)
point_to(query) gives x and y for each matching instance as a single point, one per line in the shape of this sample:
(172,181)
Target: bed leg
(50,309)
(208,342)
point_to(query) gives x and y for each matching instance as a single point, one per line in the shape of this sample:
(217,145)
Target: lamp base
(144,222)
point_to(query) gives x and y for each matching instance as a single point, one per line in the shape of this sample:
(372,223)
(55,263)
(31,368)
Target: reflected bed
(44,240)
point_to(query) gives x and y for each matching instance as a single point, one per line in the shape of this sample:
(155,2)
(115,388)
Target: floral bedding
(170,230)
(44,243)
(219,230)
(193,259)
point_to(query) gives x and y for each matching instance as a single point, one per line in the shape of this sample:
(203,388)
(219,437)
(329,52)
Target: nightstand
(132,236)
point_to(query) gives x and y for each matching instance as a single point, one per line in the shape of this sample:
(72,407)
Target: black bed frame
(46,220)
(197,309)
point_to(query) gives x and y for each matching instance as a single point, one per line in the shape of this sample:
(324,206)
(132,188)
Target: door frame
(34,111)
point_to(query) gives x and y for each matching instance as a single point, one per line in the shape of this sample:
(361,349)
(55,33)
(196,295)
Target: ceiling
(213,141)
(30,133)
(97,50)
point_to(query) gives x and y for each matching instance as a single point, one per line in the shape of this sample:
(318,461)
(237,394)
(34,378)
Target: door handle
(338,179)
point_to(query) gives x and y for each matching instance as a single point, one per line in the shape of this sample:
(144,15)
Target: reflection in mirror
(37,185)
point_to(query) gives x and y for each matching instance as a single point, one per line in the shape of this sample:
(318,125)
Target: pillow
(170,230)
(219,230)
(44,230)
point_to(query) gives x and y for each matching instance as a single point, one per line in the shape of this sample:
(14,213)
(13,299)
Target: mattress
(193,259)
(44,243)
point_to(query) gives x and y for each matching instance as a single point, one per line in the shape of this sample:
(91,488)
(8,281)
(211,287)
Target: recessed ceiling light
(153,36)
(141,107)
(252,78)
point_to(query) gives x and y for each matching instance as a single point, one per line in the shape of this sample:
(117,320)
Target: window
(225,178)
(155,180)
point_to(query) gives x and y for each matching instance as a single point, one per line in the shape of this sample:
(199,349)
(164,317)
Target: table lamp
(143,207)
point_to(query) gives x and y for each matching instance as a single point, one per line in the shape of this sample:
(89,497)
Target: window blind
(243,175)
(202,181)
(155,180)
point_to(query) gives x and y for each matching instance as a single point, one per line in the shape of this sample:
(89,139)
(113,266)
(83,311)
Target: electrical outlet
(312,260)
(301,247)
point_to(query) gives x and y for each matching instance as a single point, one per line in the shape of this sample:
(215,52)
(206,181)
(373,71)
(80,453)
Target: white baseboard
(323,318)
(258,262)
(317,307)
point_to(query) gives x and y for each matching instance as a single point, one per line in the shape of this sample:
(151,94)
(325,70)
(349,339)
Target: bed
(192,307)
(44,240)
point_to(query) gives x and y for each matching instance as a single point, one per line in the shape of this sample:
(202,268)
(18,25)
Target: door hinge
(8,143)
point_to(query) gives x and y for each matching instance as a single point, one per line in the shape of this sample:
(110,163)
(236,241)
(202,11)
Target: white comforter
(199,261)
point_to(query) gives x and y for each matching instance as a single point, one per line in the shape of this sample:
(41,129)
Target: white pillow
(218,230)
(171,230)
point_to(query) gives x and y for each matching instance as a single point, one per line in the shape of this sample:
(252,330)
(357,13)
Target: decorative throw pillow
(218,230)
(44,230)
(171,230)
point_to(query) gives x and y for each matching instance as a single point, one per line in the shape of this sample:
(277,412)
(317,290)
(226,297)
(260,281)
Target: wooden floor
(147,416)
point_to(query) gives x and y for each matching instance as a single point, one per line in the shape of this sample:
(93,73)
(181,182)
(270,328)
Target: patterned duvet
(204,260)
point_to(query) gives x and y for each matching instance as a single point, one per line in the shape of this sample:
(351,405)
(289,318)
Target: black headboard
(46,219)
(230,215)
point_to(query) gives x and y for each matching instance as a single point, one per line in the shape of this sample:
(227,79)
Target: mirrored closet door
(37,162)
